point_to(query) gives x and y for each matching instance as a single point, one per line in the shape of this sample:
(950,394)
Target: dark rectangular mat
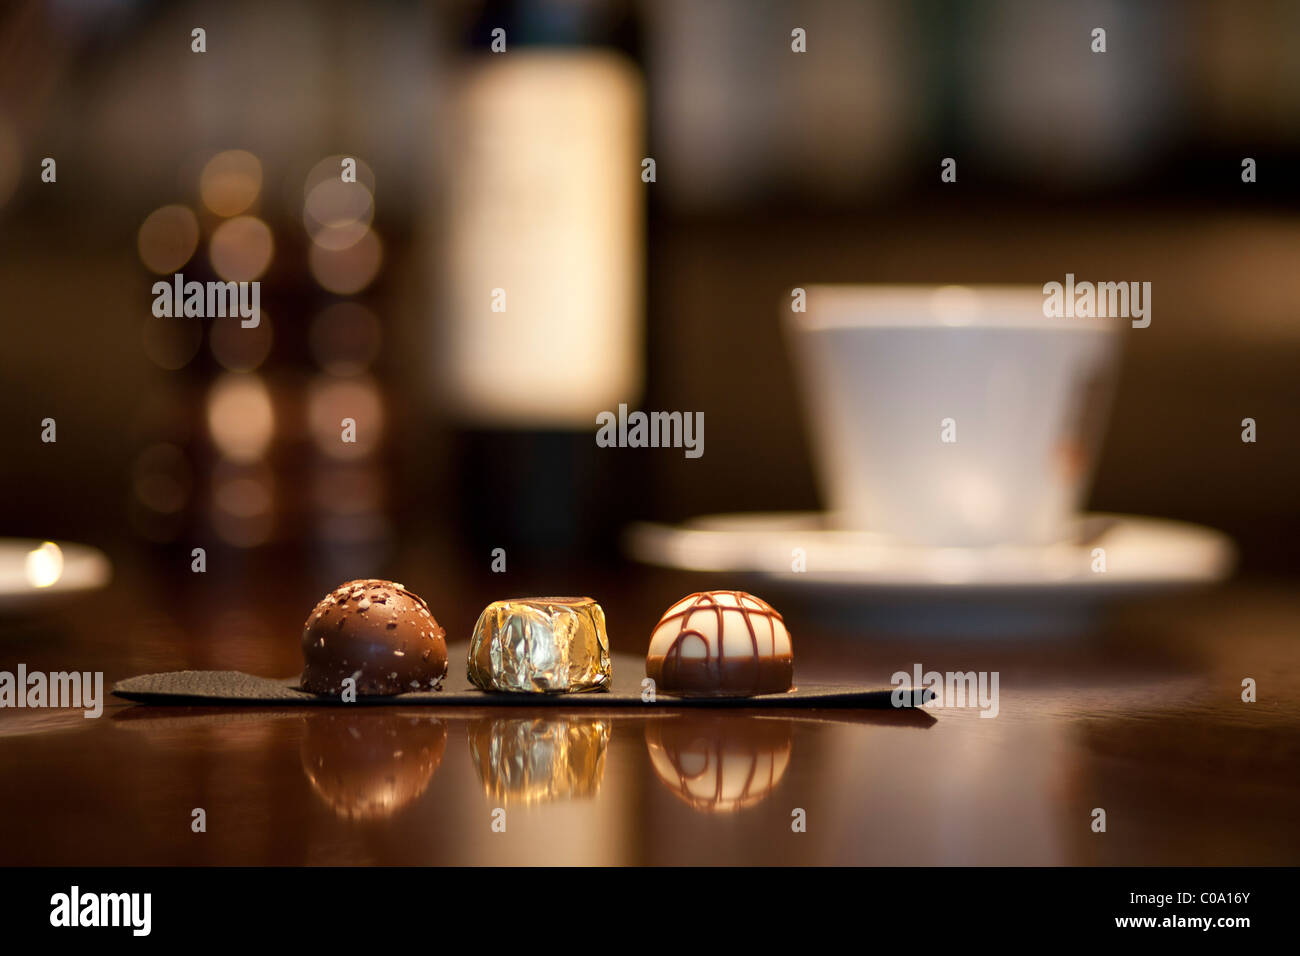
(235,687)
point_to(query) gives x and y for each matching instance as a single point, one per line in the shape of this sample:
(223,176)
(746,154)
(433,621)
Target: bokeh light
(330,400)
(337,214)
(239,349)
(241,249)
(162,478)
(243,497)
(243,502)
(331,168)
(241,419)
(171,342)
(168,238)
(230,182)
(345,338)
(44,565)
(347,271)
(162,484)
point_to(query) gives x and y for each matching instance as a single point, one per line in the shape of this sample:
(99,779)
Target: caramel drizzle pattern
(702,601)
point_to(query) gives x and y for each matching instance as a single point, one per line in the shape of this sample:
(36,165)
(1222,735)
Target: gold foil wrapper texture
(539,760)
(552,645)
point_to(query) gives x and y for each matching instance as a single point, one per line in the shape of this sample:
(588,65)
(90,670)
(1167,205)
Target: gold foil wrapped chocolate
(550,645)
(537,760)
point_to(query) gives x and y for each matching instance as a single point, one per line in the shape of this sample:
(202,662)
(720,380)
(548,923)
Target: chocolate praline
(377,633)
(720,764)
(721,644)
(370,765)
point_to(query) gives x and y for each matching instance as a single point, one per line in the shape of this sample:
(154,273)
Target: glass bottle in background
(539,309)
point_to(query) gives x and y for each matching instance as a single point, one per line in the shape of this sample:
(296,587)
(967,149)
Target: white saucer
(75,569)
(1141,554)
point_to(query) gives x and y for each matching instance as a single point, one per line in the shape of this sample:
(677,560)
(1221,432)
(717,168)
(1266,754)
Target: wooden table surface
(1140,714)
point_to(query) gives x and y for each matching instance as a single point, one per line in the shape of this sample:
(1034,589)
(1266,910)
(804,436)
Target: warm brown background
(792,170)
(775,170)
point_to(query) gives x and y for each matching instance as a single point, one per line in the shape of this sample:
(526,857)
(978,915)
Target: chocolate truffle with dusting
(379,634)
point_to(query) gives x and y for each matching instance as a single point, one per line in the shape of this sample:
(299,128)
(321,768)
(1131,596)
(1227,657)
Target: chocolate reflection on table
(720,763)
(369,765)
(539,759)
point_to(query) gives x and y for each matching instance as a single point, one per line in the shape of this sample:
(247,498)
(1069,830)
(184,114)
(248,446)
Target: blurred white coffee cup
(952,415)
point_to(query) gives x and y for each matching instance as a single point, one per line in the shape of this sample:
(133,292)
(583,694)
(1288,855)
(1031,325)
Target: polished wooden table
(1139,713)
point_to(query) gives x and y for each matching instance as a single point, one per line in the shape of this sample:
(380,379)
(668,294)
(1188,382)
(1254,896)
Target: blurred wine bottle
(542,265)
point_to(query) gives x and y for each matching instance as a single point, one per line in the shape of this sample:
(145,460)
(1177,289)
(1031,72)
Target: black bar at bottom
(386,906)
